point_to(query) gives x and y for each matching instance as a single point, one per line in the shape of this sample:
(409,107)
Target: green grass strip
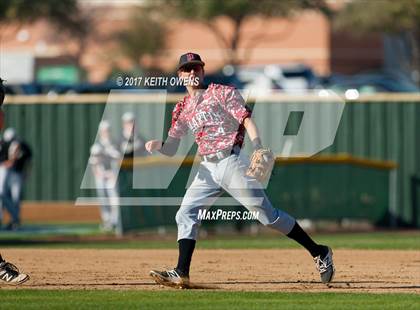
(373,241)
(193,299)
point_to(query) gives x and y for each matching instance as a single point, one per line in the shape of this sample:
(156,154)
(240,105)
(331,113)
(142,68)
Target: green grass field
(202,299)
(33,299)
(409,240)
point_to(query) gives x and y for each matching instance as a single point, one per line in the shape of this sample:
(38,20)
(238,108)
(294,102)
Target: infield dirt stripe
(232,270)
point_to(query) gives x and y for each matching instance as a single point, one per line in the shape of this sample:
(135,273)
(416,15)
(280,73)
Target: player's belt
(220,155)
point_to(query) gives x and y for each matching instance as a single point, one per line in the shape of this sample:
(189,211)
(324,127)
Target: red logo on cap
(190,56)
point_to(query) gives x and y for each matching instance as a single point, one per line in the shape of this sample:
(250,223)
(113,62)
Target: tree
(145,36)
(400,17)
(238,12)
(63,13)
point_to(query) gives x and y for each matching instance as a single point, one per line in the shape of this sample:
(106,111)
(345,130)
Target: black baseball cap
(189,58)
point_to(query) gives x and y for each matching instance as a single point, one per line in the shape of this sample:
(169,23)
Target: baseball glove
(262,163)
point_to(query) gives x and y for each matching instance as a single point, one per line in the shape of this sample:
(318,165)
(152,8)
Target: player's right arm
(178,129)
(168,148)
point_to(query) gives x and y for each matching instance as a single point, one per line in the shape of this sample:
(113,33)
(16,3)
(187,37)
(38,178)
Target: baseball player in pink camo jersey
(218,117)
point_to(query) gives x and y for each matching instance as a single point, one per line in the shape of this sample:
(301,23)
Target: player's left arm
(253,133)
(236,106)
(262,159)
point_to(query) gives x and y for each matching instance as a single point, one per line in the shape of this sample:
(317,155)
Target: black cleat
(10,274)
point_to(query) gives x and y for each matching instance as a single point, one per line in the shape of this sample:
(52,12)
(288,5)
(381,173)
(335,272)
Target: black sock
(186,249)
(301,237)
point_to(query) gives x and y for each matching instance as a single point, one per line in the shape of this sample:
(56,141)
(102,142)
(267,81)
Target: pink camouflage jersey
(215,118)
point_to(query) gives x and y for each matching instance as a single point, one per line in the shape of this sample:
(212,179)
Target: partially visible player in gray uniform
(4,146)
(104,157)
(17,163)
(218,118)
(131,143)
(9,273)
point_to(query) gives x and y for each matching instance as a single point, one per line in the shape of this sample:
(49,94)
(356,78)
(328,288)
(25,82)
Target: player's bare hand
(153,145)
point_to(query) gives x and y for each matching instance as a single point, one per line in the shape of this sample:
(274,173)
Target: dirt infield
(56,211)
(233,270)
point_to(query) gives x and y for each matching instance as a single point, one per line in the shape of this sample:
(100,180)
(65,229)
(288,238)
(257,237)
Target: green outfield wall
(334,187)
(61,130)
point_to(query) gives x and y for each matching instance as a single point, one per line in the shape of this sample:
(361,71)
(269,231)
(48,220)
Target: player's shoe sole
(22,278)
(170,278)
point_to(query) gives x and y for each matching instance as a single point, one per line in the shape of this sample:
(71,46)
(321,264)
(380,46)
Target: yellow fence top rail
(341,158)
(171,98)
